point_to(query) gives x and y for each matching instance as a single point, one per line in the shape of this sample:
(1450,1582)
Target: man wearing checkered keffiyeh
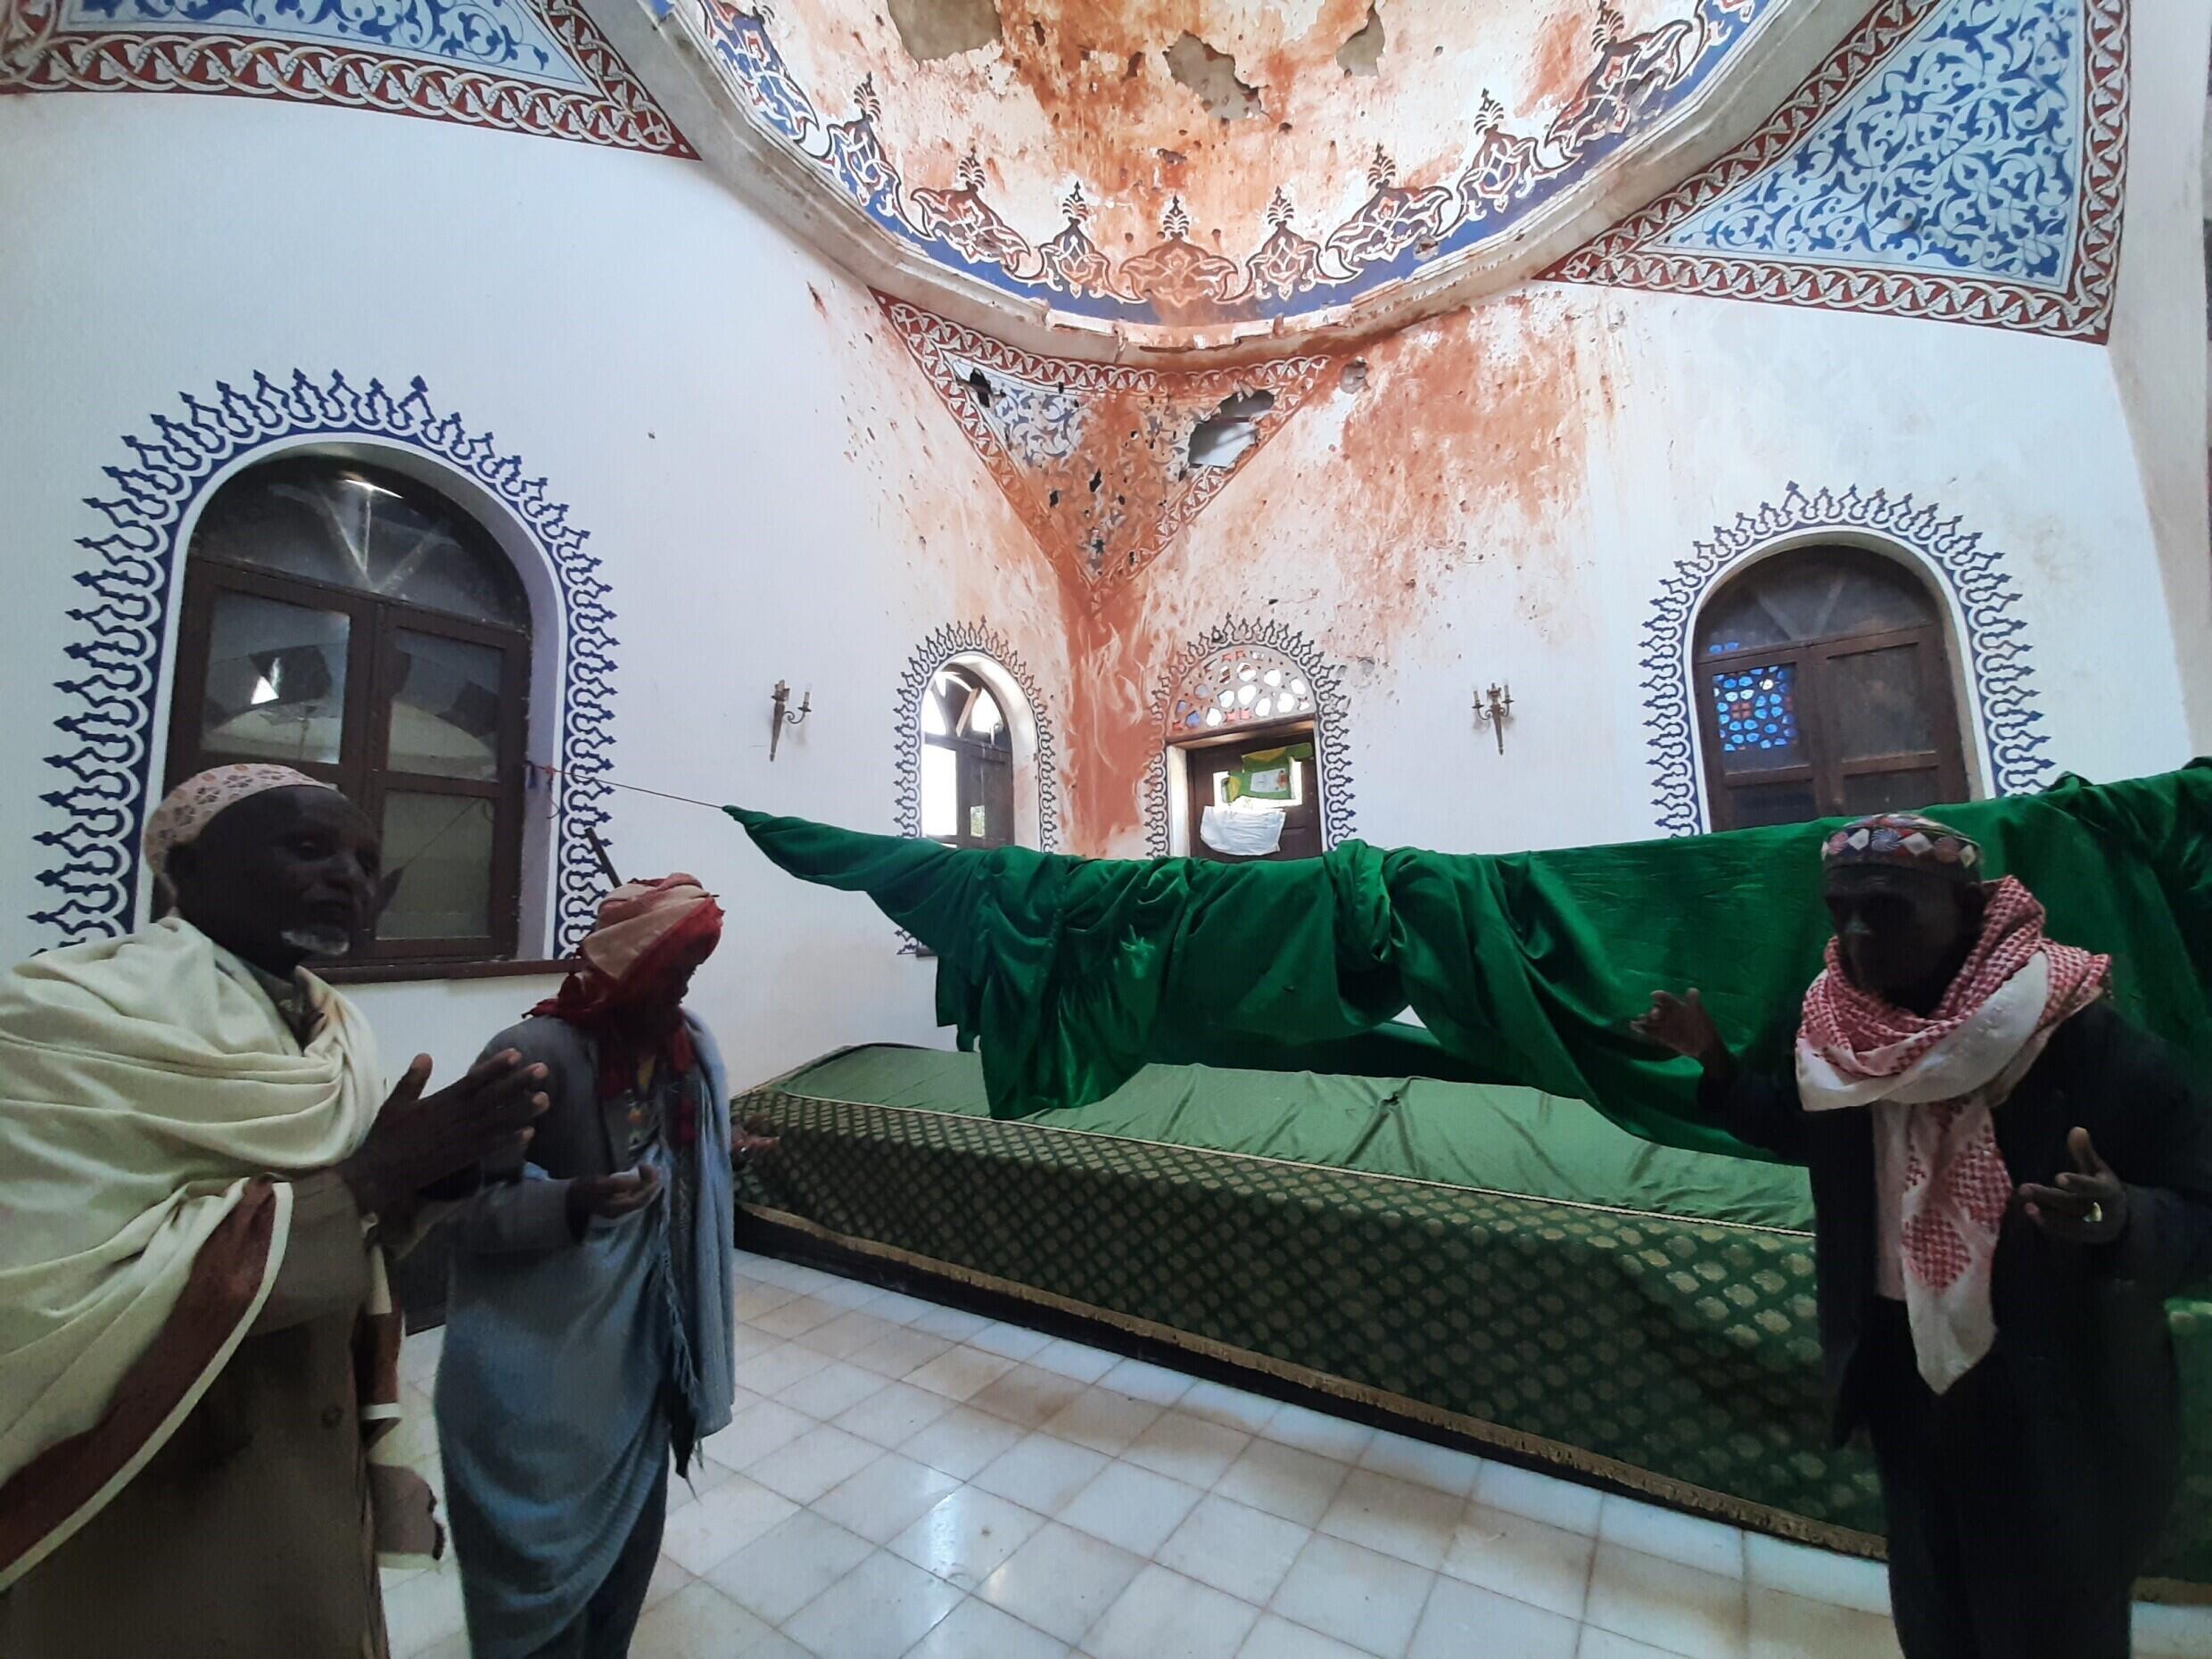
(1991,1287)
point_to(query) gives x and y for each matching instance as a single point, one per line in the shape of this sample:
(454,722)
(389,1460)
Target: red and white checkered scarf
(1941,1075)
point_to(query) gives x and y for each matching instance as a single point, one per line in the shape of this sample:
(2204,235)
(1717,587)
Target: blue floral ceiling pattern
(1954,159)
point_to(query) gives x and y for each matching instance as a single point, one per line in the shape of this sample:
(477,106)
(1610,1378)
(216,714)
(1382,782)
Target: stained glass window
(1757,708)
(1243,686)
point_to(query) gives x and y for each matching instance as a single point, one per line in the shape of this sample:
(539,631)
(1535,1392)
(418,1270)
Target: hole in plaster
(1038,29)
(1212,76)
(1362,54)
(1052,499)
(1173,157)
(1097,479)
(1223,437)
(1353,378)
(981,384)
(944,29)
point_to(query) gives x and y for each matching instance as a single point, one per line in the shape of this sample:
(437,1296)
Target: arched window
(1824,687)
(356,624)
(1242,726)
(967,762)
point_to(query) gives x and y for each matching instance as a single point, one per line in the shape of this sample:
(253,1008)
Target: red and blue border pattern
(1635,254)
(40,51)
(90,857)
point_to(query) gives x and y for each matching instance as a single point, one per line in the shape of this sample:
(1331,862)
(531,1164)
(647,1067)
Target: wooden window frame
(974,758)
(1254,734)
(363,770)
(1824,774)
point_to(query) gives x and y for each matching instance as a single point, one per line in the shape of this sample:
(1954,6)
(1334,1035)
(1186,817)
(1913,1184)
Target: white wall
(761,478)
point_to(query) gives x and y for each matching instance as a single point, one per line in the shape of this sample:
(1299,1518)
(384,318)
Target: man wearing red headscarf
(2008,1180)
(589,1335)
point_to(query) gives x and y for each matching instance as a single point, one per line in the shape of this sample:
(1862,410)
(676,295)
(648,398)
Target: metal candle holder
(1493,707)
(786,716)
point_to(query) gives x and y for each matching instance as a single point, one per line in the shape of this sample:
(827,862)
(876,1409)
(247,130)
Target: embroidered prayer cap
(195,803)
(1904,841)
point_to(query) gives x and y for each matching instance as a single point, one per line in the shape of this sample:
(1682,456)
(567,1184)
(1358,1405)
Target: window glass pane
(1760,803)
(933,716)
(1755,711)
(445,710)
(1875,705)
(940,792)
(984,718)
(276,680)
(1815,593)
(372,532)
(1892,791)
(443,845)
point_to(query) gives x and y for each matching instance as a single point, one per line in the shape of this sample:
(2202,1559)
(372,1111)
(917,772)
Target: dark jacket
(2081,1332)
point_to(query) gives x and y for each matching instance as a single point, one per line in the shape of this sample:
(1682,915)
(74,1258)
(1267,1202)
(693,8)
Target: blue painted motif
(2003,694)
(1036,422)
(503,35)
(91,857)
(1960,155)
(1636,80)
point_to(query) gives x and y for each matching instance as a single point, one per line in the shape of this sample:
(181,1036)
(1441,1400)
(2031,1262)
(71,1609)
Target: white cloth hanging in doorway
(1243,828)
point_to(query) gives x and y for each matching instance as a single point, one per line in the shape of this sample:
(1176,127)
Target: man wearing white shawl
(197,1160)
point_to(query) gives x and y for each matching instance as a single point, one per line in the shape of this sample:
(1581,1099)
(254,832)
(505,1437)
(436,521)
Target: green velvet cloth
(1071,974)
(1480,1135)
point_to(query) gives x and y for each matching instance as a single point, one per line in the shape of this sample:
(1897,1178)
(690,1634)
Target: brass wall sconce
(1494,707)
(786,716)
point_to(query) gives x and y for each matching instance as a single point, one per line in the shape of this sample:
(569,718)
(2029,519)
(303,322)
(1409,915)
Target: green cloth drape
(1069,974)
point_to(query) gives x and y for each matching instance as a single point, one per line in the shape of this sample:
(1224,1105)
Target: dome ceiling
(1192,172)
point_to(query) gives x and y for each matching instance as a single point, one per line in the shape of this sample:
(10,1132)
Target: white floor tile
(1011,1341)
(1142,1380)
(836,1387)
(1788,1627)
(1402,1457)
(965,1536)
(1540,1496)
(822,1458)
(667,1579)
(979,1630)
(1596,1644)
(1062,1581)
(886,1497)
(847,1333)
(1318,1433)
(878,1610)
(1235,1547)
(703,1535)
(1218,1402)
(894,1414)
(776,1369)
(1164,1615)
(754,1299)
(698,1621)
(1299,1486)
(1028,1395)
(1546,1566)
(955,1324)
(2169,1632)
(960,1373)
(1416,1523)
(1103,1420)
(900,1351)
(851,1294)
(1086,1365)
(705,1475)
(452,1647)
(1372,1601)
(797,1316)
(1133,1508)
(418,1356)
(1666,1604)
(786,1567)
(758,1430)
(1276,1638)
(1816,1574)
(1463,1620)
(425,1610)
(900,1308)
(1692,1541)
(963,1442)
(1190,1449)
(1042,1474)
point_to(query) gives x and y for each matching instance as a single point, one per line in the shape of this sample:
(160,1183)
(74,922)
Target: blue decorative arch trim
(1994,640)
(90,856)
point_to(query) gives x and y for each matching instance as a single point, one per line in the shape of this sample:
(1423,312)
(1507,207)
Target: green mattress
(1488,1259)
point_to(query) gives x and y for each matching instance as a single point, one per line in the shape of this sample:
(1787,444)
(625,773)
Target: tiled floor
(904,1481)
